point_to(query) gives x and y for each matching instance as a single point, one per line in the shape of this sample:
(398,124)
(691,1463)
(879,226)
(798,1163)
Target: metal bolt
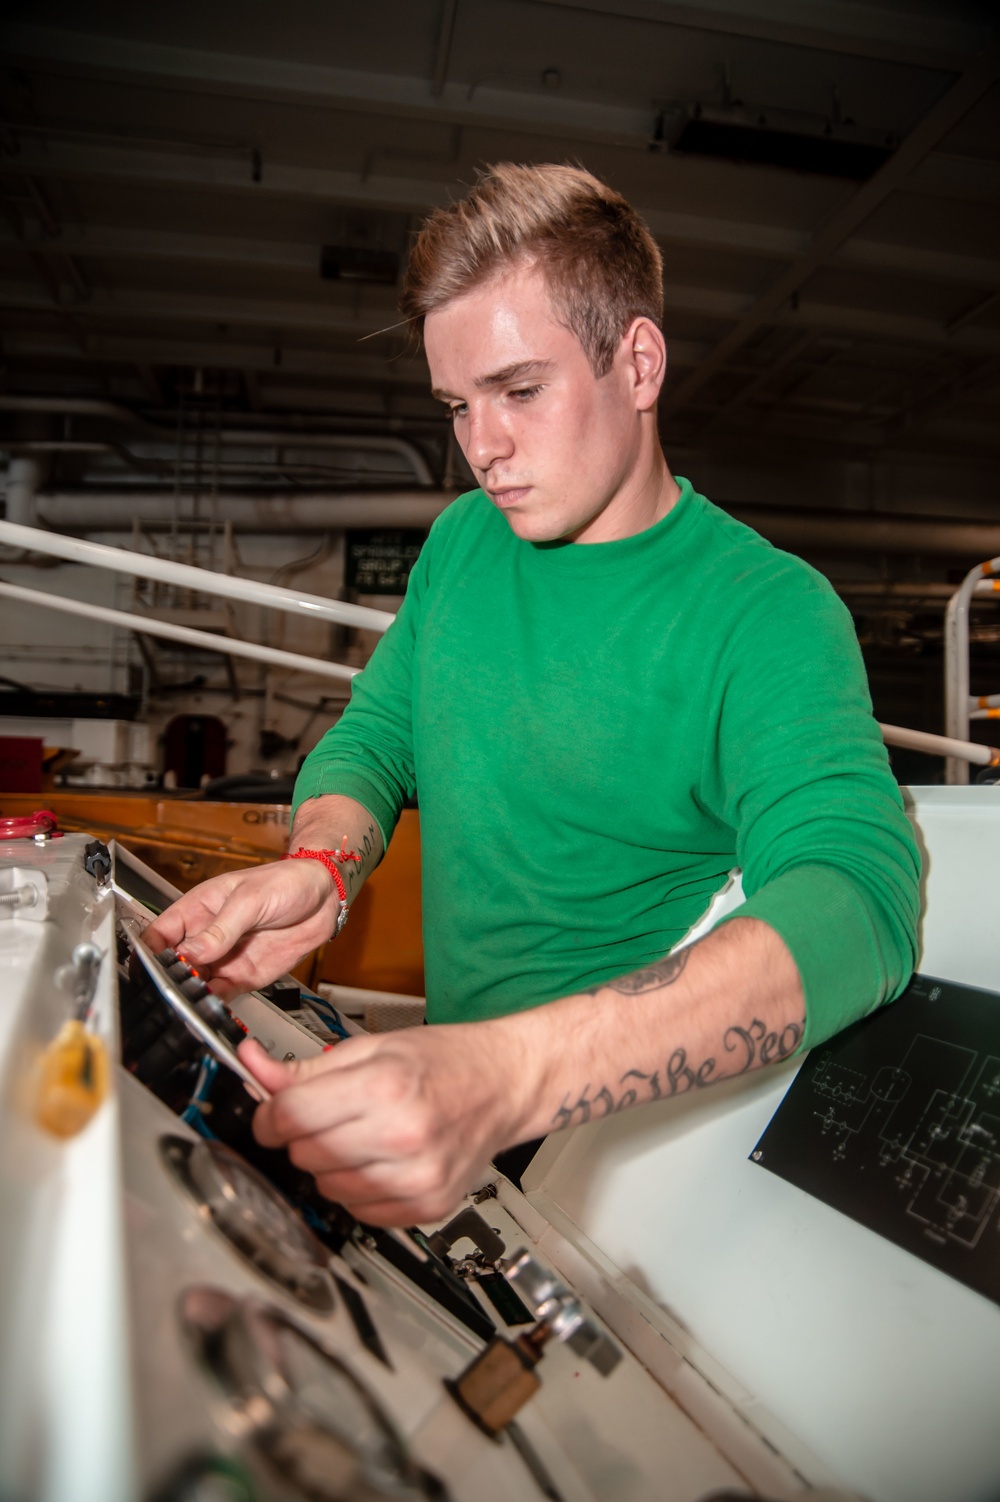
(756,1156)
(25,896)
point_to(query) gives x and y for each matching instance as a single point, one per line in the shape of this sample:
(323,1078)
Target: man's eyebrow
(519,371)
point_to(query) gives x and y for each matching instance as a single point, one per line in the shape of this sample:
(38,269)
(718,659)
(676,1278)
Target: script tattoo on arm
(368,848)
(750,1045)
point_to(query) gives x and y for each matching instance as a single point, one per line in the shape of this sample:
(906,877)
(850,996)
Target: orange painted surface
(187,841)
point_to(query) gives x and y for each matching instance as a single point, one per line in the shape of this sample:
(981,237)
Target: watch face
(253,1218)
(310,1421)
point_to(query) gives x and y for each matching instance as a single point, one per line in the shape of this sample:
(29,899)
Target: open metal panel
(858,1360)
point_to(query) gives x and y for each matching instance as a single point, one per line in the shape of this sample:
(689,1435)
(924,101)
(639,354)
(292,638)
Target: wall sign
(379,559)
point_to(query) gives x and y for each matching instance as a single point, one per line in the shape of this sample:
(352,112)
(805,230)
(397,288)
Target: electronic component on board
(201,1013)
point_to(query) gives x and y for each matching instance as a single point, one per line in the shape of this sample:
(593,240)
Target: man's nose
(487,439)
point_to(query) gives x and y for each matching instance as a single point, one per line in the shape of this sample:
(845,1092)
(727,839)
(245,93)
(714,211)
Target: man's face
(554,448)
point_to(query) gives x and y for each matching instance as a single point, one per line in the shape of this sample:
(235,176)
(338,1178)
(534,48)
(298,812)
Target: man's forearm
(344,826)
(398,1126)
(726,1005)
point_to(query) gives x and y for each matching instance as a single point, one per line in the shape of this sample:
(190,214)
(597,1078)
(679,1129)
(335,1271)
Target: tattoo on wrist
(343,855)
(751,1045)
(368,848)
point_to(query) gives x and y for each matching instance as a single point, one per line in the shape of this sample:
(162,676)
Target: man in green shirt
(608,694)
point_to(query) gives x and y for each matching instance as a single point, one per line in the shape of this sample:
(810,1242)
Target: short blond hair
(601,264)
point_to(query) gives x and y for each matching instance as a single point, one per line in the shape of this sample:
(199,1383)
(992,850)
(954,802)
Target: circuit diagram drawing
(897,1124)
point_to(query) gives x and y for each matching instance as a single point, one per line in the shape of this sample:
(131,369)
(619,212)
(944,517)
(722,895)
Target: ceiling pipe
(799,531)
(72,406)
(375,443)
(115,512)
(910,591)
(113,412)
(861,532)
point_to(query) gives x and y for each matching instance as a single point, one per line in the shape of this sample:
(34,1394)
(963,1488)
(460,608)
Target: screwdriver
(74,1071)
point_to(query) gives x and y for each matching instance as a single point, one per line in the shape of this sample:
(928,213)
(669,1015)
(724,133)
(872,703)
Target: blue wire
(192,1113)
(326,1011)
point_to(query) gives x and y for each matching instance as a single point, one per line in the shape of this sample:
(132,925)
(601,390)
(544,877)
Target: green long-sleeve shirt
(599,733)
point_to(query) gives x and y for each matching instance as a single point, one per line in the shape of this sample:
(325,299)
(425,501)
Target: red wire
(25,827)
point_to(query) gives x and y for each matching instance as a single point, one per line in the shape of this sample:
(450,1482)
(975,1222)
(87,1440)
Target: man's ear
(646,352)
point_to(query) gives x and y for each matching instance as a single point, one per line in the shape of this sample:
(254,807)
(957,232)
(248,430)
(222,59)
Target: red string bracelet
(327,859)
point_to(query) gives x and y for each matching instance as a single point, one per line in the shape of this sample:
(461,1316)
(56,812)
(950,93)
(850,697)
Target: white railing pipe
(208,641)
(941,745)
(204,581)
(957,702)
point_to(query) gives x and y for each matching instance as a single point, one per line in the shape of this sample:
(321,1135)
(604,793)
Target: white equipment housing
(773,1347)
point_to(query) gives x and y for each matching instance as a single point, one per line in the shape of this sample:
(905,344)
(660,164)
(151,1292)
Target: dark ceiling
(170,175)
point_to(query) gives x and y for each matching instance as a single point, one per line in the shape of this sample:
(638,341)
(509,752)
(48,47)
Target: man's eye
(525,393)
(458,411)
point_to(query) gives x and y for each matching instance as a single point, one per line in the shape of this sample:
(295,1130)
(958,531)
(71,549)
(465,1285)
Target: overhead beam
(940,398)
(960,98)
(689,230)
(487,106)
(216,171)
(133,349)
(891,35)
(136,348)
(319,315)
(449,10)
(62,154)
(945,175)
(281,318)
(275,78)
(896,35)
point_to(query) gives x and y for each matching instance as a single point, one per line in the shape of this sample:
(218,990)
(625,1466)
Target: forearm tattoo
(749,1046)
(355,874)
(663,973)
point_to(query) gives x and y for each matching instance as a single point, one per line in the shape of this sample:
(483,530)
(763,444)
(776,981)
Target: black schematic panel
(896,1123)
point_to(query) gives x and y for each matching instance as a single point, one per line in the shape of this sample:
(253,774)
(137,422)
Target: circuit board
(896,1123)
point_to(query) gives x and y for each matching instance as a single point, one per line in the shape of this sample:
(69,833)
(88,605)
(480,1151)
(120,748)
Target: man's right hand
(245,928)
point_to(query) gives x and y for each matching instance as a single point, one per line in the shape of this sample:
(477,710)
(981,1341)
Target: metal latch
(468,1223)
(497,1383)
(559,1308)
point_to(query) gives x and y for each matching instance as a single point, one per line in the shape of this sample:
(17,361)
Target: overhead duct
(768,137)
(853,532)
(292,437)
(72,406)
(797,530)
(103,511)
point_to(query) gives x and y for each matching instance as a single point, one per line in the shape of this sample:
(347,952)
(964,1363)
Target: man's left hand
(397,1127)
